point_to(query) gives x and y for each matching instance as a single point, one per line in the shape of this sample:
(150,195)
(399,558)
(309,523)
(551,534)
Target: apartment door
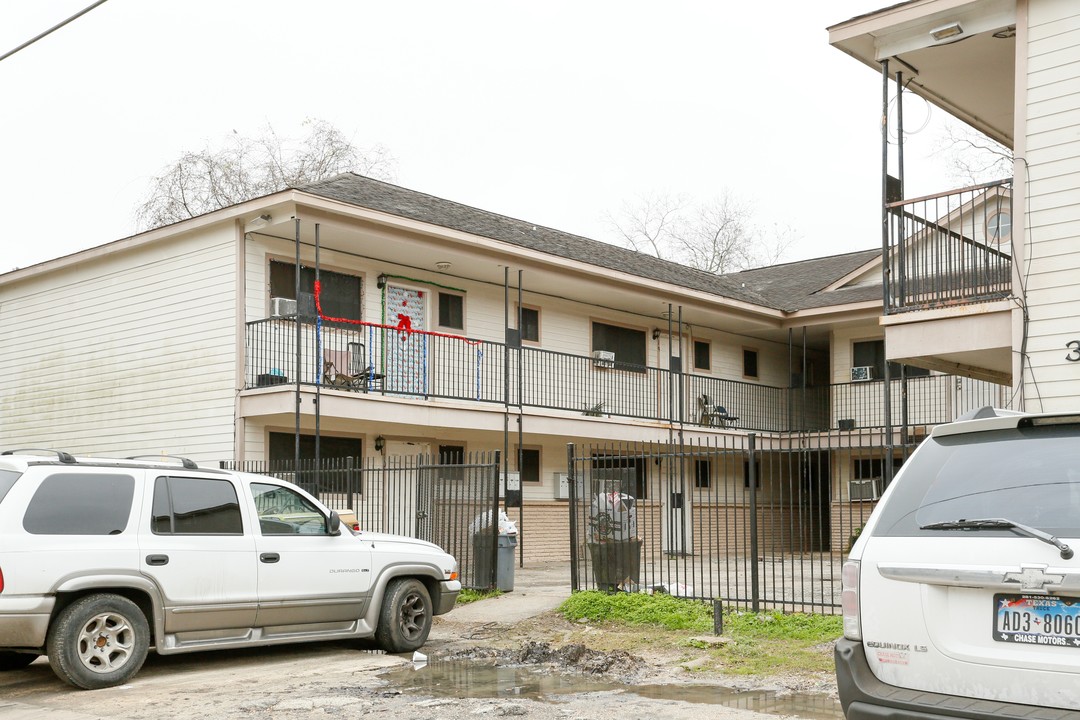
(403,501)
(406,348)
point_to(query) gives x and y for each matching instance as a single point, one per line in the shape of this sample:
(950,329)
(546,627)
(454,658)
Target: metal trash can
(504,567)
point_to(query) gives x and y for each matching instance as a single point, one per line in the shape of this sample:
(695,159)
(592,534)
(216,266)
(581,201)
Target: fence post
(494,580)
(755,599)
(571,487)
(349,481)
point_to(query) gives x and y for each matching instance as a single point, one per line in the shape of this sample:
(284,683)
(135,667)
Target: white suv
(101,559)
(962,594)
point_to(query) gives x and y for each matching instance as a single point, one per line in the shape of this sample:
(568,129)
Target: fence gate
(448,503)
(754,521)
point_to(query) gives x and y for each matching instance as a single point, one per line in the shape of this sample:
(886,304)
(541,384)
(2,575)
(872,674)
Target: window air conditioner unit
(864,489)
(282,307)
(864,372)
(603,359)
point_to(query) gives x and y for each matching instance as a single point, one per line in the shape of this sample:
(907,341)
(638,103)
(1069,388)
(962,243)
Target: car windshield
(1029,475)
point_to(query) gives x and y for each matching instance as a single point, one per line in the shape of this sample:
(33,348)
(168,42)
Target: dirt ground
(630,656)
(346,680)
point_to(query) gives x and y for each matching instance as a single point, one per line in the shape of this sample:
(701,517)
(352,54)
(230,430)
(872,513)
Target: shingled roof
(801,285)
(788,287)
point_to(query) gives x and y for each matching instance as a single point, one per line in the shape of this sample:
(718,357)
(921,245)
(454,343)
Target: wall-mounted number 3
(1074,351)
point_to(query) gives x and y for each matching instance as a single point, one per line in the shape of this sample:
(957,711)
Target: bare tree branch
(718,236)
(242,168)
(972,157)
(646,225)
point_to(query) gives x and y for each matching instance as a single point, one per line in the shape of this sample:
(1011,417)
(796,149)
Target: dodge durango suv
(961,595)
(101,560)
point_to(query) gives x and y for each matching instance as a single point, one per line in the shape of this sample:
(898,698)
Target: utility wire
(53,29)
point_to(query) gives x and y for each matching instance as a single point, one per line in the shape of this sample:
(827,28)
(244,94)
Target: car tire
(405,616)
(98,641)
(15,661)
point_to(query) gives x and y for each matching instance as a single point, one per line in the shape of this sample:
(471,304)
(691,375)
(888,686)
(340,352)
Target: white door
(200,550)
(305,574)
(402,502)
(406,350)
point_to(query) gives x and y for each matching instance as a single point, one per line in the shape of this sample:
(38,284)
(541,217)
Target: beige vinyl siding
(567,324)
(1053,202)
(131,353)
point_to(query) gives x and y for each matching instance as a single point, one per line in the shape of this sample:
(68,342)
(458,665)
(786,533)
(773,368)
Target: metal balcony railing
(394,364)
(950,249)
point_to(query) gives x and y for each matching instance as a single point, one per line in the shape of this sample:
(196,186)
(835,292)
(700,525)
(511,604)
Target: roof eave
(502,247)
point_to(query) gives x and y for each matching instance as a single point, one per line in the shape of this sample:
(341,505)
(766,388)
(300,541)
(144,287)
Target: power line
(53,29)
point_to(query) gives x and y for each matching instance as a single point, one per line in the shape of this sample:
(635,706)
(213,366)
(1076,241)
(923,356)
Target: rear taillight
(1,580)
(849,599)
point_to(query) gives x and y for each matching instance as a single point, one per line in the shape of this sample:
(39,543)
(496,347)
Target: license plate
(1037,620)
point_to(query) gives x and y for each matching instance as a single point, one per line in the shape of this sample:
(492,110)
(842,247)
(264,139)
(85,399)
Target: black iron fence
(449,504)
(390,363)
(950,249)
(754,521)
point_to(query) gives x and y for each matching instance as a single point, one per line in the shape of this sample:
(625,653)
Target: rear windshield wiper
(1002,523)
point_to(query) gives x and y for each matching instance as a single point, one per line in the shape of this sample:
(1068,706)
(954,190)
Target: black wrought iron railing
(393,364)
(953,248)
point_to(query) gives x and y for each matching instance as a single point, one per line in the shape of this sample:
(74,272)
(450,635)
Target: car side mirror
(333,523)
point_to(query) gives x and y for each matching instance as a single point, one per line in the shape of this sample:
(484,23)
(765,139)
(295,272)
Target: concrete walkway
(536,590)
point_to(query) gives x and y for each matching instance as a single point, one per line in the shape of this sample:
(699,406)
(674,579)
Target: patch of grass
(670,613)
(758,643)
(771,642)
(468,595)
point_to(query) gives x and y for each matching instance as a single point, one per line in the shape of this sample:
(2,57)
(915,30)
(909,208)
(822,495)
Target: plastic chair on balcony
(711,415)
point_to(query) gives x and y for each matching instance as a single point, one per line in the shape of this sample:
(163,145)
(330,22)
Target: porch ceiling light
(946,31)
(259,222)
(442,265)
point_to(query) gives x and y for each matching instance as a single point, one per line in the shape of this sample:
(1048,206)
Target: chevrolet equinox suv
(961,596)
(102,559)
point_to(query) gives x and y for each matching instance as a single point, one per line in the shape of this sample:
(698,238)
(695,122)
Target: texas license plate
(1037,620)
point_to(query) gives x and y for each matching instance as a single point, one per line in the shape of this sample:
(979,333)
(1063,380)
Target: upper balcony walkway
(393,363)
(949,249)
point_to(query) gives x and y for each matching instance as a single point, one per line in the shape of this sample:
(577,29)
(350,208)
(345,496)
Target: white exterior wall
(1053,203)
(565,326)
(131,353)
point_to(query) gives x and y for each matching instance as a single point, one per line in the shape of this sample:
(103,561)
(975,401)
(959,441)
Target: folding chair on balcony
(360,367)
(333,376)
(710,414)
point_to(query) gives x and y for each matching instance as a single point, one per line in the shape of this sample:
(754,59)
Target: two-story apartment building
(981,281)
(446,330)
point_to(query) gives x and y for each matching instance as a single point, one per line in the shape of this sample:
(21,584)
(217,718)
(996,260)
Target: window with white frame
(451,311)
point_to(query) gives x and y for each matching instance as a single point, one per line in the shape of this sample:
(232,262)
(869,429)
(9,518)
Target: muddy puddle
(470,679)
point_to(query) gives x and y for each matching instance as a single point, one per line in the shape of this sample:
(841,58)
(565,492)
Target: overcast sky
(554,112)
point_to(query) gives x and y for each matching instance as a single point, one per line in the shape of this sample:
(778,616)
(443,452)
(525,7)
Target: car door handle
(157,559)
(269,557)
